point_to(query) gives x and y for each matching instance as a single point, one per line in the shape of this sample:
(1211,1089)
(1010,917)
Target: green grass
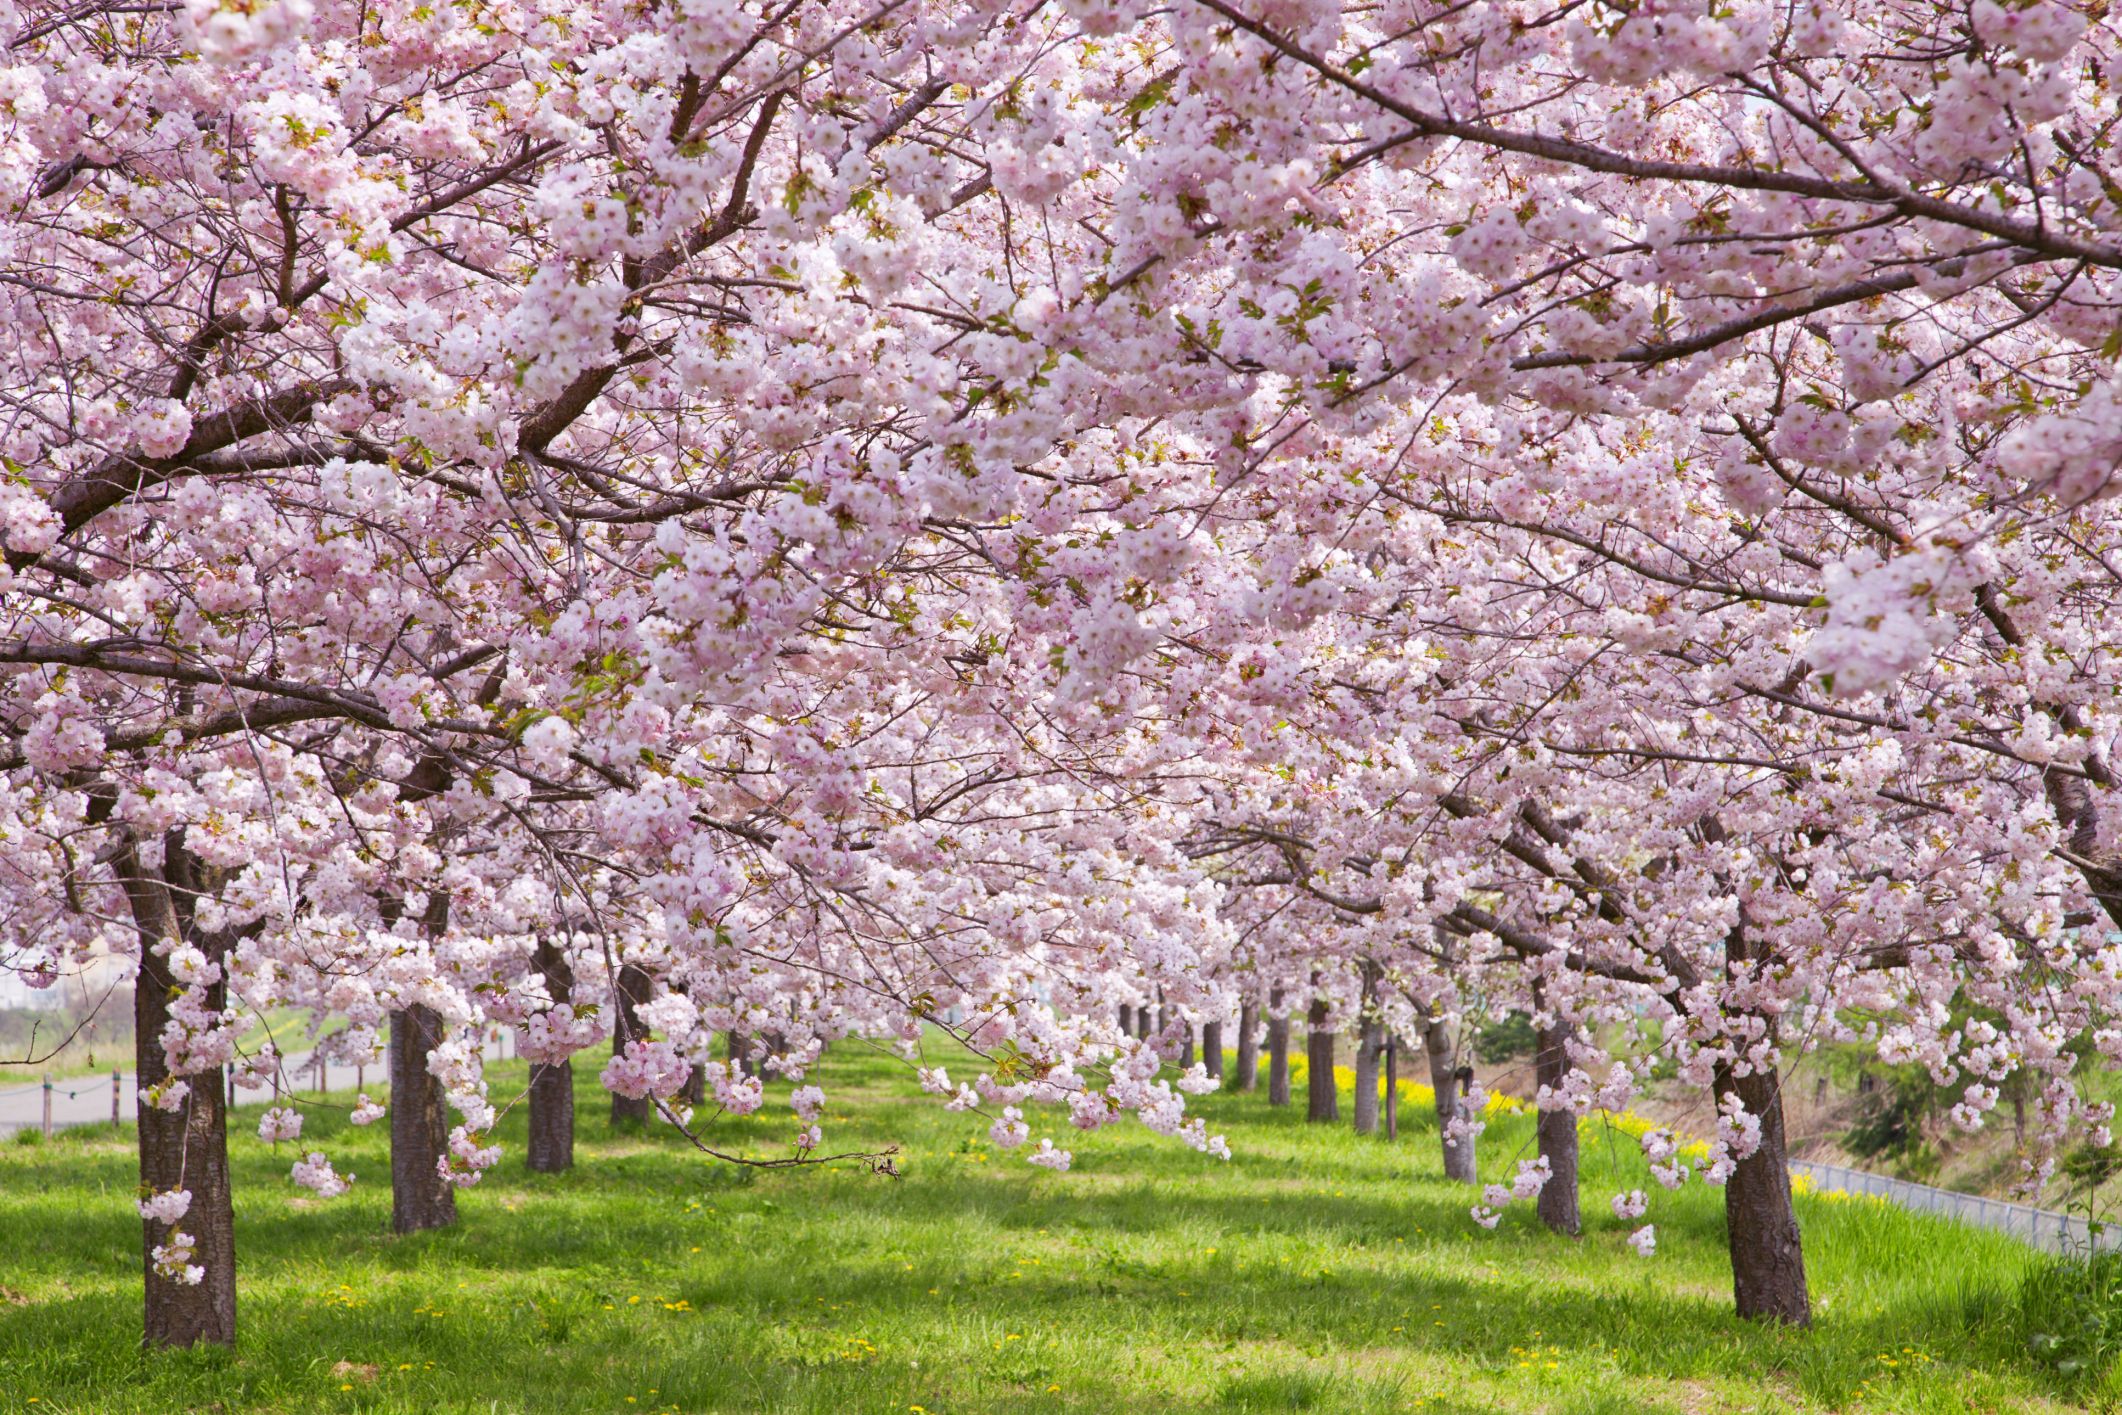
(1314,1271)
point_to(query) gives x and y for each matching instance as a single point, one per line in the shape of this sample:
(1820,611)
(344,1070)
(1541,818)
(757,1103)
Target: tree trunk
(1186,1057)
(1370,1044)
(1248,1046)
(1459,1165)
(1322,1102)
(1761,1228)
(552,1084)
(552,1117)
(1212,1048)
(1557,1204)
(188,1148)
(420,1197)
(633,989)
(694,1091)
(1392,1087)
(1277,1051)
(1127,1019)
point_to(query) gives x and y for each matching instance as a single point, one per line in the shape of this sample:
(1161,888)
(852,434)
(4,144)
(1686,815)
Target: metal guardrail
(2042,1228)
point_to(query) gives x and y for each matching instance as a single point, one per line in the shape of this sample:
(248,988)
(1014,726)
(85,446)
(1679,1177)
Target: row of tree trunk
(188,1148)
(1761,1226)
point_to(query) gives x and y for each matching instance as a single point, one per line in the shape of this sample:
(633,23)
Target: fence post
(117,1090)
(47,1106)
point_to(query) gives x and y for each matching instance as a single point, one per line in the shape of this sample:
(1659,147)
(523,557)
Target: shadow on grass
(1315,1271)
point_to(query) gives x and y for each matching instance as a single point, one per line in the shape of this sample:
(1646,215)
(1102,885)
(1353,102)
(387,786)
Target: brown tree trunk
(1392,1087)
(1459,1160)
(1212,1048)
(420,1197)
(1322,1102)
(1127,1019)
(188,1148)
(1370,1046)
(694,1091)
(633,988)
(552,1084)
(1186,1056)
(552,1117)
(1761,1228)
(1248,1046)
(1277,1051)
(1557,1204)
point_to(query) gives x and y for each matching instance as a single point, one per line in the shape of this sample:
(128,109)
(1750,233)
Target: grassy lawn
(1313,1271)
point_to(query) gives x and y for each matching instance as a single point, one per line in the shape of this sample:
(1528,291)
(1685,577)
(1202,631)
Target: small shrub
(1891,1125)
(2091,1166)
(1508,1036)
(2071,1313)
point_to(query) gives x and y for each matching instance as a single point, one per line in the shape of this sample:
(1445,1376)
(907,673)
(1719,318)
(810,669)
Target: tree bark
(633,988)
(1459,1162)
(1248,1046)
(420,1197)
(552,1117)
(1212,1048)
(1186,1056)
(188,1148)
(552,1084)
(1322,1102)
(1370,1047)
(1392,1087)
(694,1091)
(1127,1019)
(1761,1227)
(1557,1205)
(1277,1051)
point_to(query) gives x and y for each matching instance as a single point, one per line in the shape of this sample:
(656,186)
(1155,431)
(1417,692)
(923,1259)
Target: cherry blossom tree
(648,522)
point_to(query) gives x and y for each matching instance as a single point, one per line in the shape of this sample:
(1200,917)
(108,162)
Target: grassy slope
(1314,1271)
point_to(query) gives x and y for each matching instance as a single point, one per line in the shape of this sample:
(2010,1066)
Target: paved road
(86,1100)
